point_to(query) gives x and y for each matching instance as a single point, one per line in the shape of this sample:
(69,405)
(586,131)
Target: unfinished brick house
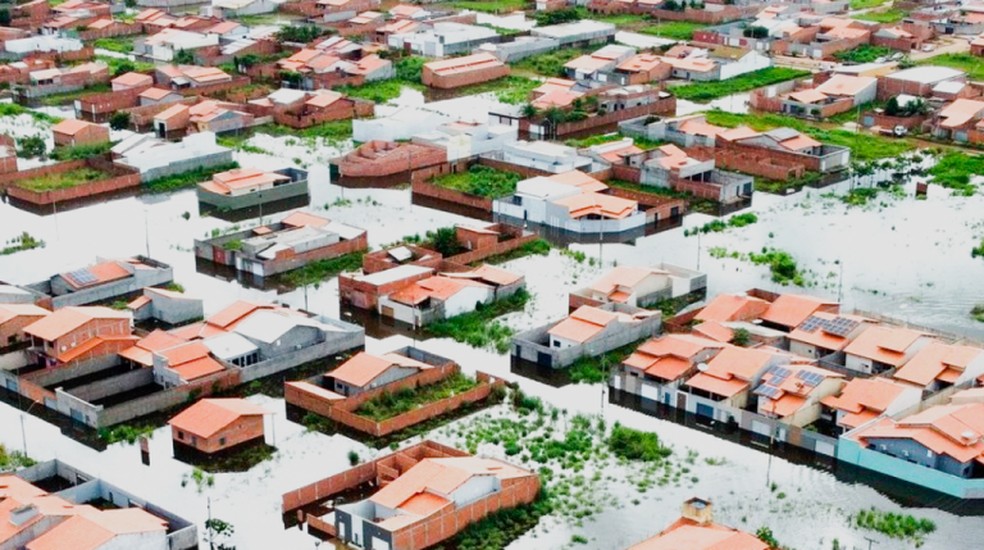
(463,71)
(72,132)
(376,159)
(211,426)
(421,498)
(300,109)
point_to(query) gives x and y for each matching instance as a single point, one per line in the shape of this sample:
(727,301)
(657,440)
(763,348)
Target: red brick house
(463,71)
(8,154)
(214,425)
(75,333)
(13,319)
(71,132)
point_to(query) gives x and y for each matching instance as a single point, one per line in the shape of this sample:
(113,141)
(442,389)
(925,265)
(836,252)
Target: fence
(118,178)
(433,191)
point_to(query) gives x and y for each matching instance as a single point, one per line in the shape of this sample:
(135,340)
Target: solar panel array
(840,326)
(83,276)
(777,374)
(810,378)
(768,390)
(812,323)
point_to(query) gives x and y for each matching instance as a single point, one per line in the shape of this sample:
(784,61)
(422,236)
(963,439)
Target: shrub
(31,146)
(637,445)
(353,458)
(119,120)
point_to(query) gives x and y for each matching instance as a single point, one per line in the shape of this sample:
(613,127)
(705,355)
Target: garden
(480,328)
(391,404)
(481,181)
(703,92)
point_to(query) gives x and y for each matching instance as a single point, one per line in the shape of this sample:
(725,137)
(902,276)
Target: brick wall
(340,110)
(142,117)
(421,157)
(375,262)
(462,78)
(730,155)
(891,87)
(246,428)
(871,118)
(900,44)
(118,28)
(236,82)
(428,189)
(99,107)
(666,107)
(659,205)
(118,178)
(729,13)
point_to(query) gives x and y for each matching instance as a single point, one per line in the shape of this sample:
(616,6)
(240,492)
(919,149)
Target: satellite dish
(702,367)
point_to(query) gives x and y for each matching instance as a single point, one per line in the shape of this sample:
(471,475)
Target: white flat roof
(928,74)
(267,326)
(229,346)
(395,274)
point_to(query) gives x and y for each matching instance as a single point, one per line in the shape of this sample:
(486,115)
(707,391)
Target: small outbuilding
(213,425)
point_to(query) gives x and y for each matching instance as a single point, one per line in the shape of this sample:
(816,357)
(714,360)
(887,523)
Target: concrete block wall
(354,338)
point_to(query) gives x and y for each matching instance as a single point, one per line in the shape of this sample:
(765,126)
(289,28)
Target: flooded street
(902,257)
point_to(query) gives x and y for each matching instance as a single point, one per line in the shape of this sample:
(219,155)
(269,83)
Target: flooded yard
(902,257)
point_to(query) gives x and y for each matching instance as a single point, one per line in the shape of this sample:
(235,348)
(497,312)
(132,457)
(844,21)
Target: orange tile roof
(13,311)
(810,95)
(488,274)
(583,324)
(937,361)
(685,534)
(304,219)
(579,179)
(789,310)
(864,395)
(72,126)
(438,287)
(233,313)
(363,368)
(717,386)
(240,179)
(846,85)
(92,345)
(960,112)
(640,63)
(197,368)
(197,331)
(209,416)
(92,531)
(67,319)
(606,206)
(133,79)
(100,273)
(715,331)
(821,336)
(468,63)
(884,344)
(953,430)
(142,351)
(793,388)
(669,357)
(732,307)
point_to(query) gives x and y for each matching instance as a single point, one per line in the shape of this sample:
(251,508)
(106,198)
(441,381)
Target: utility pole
(870,542)
(146,233)
(840,283)
(698,249)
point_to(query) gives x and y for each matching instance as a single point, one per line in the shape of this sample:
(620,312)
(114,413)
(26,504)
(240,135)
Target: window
(556,343)
(181,435)
(222,441)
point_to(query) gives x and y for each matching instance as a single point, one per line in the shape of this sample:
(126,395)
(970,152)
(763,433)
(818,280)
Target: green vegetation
(954,170)
(781,264)
(125,433)
(480,328)
(623,20)
(706,91)
(966,62)
(13,460)
(390,404)
(864,147)
(765,535)
(594,370)
(978,252)
(187,179)
(442,239)
(63,180)
(24,241)
(482,181)
(408,71)
(717,226)
(866,4)
(490,6)
(551,63)
(674,30)
(233,245)
(14,109)
(779,187)
(69,97)
(200,478)
(890,15)
(119,66)
(637,445)
(353,458)
(333,132)
(118,44)
(500,528)
(598,139)
(301,34)
(978,311)
(537,247)
(120,120)
(865,53)
(31,146)
(860,196)
(81,152)
(315,272)
(740,337)
(510,89)
(896,526)
(556,17)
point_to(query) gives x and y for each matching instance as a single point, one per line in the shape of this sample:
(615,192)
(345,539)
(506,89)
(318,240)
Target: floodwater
(901,257)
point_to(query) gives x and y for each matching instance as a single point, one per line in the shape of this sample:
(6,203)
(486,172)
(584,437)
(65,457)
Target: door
(681,401)
(544,359)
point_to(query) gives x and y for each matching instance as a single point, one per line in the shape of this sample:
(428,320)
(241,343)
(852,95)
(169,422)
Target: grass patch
(955,169)
(536,247)
(390,404)
(334,131)
(481,181)
(621,19)
(116,65)
(781,264)
(14,460)
(860,196)
(779,187)
(865,53)
(320,270)
(13,109)
(490,6)
(674,30)
(637,445)
(694,204)
(187,179)
(896,526)
(20,243)
(119,44)
(718,226)
(866,4)
(703,92)
(865,147)
(551,63)
(595,370)
(511,89)
(125,433)
(970,64)
(590,141)
(480,328)
(80,152)
(499,529)
(64,180)
(891,15)
(379,91)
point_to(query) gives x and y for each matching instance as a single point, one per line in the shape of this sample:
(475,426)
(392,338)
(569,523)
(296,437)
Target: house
(937,366)
(670,167)
(546,156)
(132,81)
(247,187)
(696,530)
(301,109)
(463,71)
(298,239)
(917,81)
(447,295)
(720,63)
(640,286)
(104,280)
(961,121)
(596,65)
(442,39)
(577,33)
(463,140)
(657,368)
(205,116)
(788,311)
(165,45)
(823,333)
(588,331)
(431,492)
(73,132)
(167,306)
(733,307)
(78,333)
(862,400)
(643,68)
(946,438)
(726,383)
(156,158)
(158,96)
(897,38)
(363,290)
(14,318)
(364,372)
(181,77)
(212,426)
(376,159)
(571,202)
(840,93)
(793,393)
(519,48)
(882,348)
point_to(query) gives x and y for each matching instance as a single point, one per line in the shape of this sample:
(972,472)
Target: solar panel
(842,327)
(810,378)
(768,391)
(83,276)
(811,324)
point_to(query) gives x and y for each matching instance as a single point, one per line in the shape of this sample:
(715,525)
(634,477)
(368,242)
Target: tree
(740,337)
(301,34)
(556,17)
(120,120)
(245,62)
(291,79)
(32,146)
(765,535)
(892,107)
(4,17)
(756,31)
(218,530)
(445,241)
(529,111)
(672,5)
(124,66)
(184,57)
